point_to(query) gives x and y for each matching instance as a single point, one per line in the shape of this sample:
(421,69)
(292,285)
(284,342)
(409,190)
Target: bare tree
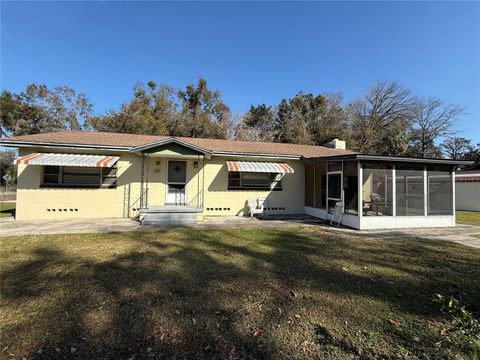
(456,147)
(432,119)
(385,108)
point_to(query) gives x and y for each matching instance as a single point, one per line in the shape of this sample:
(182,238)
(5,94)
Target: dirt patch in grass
(468,217)
(7,209)
(271,294)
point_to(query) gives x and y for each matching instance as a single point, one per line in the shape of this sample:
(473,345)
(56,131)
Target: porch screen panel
(377,190)
(335,186)
(410,191)
(320,184)
(440,192)
(334,166)
(309,184)
(350,187)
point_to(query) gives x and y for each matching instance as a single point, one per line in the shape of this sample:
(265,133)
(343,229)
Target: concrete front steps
(169,215)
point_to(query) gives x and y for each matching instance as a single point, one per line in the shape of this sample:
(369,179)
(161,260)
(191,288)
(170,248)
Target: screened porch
(382,192)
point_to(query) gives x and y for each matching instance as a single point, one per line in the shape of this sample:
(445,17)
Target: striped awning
(68,160)
(259,167)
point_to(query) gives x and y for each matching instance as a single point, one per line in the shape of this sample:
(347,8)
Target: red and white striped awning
(259,167)
(67,160)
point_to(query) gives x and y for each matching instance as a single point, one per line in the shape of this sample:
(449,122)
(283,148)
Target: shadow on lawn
(7,212)
(186,298)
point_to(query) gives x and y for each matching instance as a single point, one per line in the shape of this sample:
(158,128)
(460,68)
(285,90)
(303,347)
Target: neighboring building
(467,189)
(78,174)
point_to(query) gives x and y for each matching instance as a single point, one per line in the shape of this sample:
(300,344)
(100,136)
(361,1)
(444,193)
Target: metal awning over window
(259,167)
(47,159)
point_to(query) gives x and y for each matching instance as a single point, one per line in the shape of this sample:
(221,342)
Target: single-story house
(467,189)
(75,174)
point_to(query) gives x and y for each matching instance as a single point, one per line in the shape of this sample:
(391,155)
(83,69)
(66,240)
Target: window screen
(410,191)
(254,181)
(72,175)
(440,192)
(51,175)
(377,190)
(78,176)
(309,183)
(177,172)
(320,184)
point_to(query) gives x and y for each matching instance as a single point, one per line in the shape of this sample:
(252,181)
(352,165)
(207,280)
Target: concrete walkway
(462,234)
(10,227)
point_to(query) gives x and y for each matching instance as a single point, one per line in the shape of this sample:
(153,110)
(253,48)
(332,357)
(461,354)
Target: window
(440,192)
(254,181)
(410,191)
(76,176)
(377,190)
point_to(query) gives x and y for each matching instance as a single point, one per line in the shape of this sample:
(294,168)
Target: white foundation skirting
(386,222)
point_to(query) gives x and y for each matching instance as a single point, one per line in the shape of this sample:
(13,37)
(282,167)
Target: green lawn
(468,217)
(7,209)
(233,294)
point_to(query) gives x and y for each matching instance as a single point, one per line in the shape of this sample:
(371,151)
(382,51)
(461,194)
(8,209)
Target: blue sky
(252,52)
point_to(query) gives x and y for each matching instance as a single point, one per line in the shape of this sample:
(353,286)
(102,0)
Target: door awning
(67,160)
(259,167)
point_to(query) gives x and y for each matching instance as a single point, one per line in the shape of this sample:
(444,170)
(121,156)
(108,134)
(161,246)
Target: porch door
(176,182)
(334,189)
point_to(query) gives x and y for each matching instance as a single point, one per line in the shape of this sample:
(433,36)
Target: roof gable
(171,146)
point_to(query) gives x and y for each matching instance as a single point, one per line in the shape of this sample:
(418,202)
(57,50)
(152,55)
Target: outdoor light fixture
(195,164)
(157,162)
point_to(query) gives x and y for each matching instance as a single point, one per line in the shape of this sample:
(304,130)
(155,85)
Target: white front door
(176,182)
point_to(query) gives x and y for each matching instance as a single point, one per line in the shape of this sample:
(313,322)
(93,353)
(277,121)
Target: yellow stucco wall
(205,185)
(220,201)
(34,202)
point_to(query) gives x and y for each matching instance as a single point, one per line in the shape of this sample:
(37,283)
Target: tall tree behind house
(379,121)
(40,109)
(152,110)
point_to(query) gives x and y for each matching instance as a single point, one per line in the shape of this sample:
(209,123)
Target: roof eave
(393,159)
(260,155)
(43,144)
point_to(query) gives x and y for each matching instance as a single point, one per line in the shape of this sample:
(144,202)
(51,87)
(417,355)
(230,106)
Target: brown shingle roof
(212,145)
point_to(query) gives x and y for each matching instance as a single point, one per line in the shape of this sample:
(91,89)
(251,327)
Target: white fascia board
(18,144)
(263,156)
